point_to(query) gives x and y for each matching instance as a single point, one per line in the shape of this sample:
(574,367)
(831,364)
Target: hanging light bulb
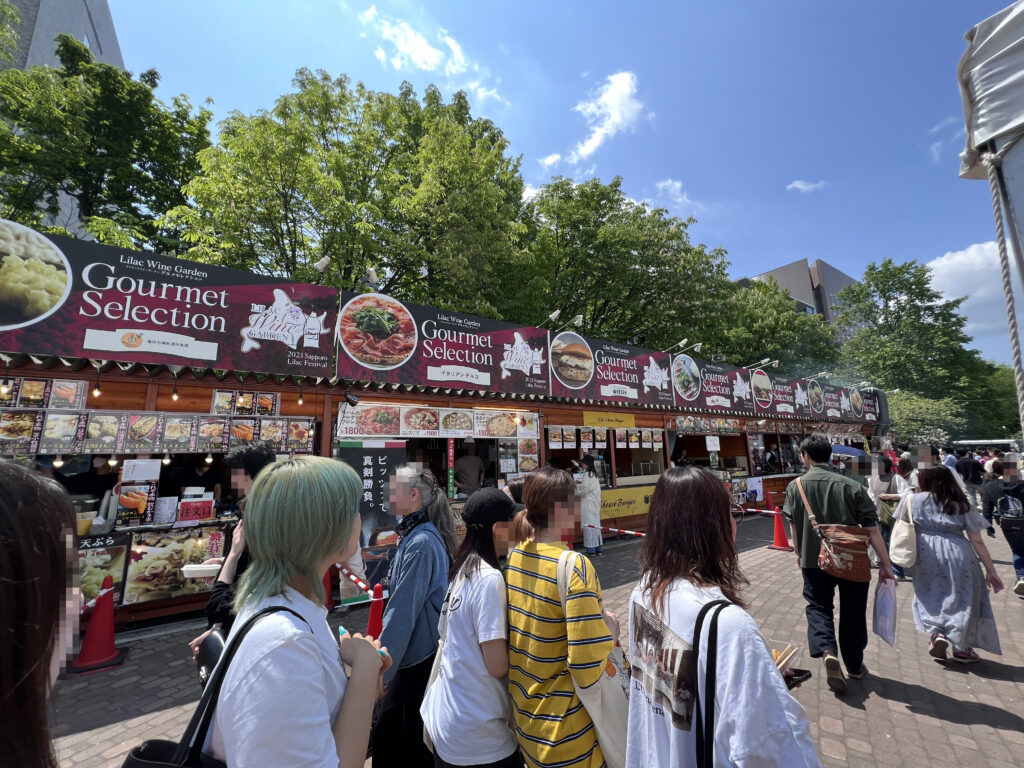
(96,389)
(59,461)
(209,458)
(174,393)
(112,461)
(166,460)
(300,393)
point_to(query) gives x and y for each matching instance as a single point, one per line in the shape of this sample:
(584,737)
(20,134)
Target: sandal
(966,657)
(938,648)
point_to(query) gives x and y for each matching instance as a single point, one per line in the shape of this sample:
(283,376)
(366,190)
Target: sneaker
(991,532)
(858,675)
(834,673)
(938,648)
(1018,588)
(966,657)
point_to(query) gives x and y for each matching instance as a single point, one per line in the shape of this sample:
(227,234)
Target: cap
(486,507)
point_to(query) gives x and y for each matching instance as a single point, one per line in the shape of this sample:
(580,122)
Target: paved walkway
(911,710)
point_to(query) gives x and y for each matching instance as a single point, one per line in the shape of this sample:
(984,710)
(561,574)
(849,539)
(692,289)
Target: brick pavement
(910,710)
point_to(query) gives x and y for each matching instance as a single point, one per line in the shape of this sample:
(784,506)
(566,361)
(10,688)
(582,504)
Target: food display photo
(243,431)
(554,438)
(154,571)
(179,434)
(420,422)
(456,423)
(377,331)
(686,377)
(67,394)
(492,424)
(762,386)
(213,434)
(33,393)
(16,430)
(34,276)
(572,361)
(144,431)
(60,432)
(98,558)
(132,504)
(300,435)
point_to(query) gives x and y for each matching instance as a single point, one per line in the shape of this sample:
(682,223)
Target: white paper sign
(713,443)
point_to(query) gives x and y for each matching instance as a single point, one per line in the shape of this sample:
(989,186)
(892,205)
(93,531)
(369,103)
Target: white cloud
(410,47)
(530,192)
(550,160)
(936,149)
(804,187)
(368,15)
(456,63)
(975,273)
(672,190)
(381,56)
(944,124)
(615,108)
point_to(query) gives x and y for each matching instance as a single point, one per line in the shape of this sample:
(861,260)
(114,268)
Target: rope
(992,162)
(92,603)
(355,579)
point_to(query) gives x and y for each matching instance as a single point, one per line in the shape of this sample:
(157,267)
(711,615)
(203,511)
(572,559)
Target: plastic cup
(84,523)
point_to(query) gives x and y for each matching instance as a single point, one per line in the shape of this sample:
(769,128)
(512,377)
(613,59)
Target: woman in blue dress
(951,601)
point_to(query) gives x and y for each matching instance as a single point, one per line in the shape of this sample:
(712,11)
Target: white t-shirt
(757,721)
(282,692)
(466,710)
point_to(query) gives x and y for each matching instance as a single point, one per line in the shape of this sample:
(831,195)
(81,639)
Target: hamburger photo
(573,363)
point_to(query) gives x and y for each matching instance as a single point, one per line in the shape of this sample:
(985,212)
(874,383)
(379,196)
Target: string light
(96,389)
(112,461)
(209,458)
(166,460)
(59,461)
(300,393)
(174,393)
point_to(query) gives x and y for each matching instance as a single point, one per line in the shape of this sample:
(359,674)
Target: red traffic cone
(376,622)
(98,651)
(780,542)
(328,590)
(768,501)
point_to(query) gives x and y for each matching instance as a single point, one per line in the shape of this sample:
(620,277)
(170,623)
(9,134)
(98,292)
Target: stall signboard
(384,420)
(710,386)
(383,339)
(20,430)
(373,461)
(613,373)
(97,301)
(44,393)
(101,556)
(625,502)
(157,557)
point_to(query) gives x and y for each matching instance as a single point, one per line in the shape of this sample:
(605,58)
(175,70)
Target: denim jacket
(419,580)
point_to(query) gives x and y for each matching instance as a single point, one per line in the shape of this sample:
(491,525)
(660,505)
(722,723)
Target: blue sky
(792,129)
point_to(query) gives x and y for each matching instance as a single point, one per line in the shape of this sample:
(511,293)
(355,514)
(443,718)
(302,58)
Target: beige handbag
(903,544)
(607,700)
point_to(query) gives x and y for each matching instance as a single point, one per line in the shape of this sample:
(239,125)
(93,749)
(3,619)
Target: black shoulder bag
(188,753)
(705,722)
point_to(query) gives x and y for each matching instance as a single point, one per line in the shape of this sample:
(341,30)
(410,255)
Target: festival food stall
(129,367)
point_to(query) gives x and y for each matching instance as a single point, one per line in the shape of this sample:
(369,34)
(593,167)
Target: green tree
(9,18)
(990,405)
(92,133)
(422,192)
(920,419)
(902,334)
(629,270)
(762,320)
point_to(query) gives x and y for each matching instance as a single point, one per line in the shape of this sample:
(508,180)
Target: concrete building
(812,286)
(42,20)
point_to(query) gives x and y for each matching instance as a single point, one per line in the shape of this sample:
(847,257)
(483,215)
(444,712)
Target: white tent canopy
(991,76)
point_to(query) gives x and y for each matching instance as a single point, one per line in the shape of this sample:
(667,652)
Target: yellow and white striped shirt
(546,647)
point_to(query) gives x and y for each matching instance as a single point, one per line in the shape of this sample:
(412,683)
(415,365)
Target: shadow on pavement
(929,702)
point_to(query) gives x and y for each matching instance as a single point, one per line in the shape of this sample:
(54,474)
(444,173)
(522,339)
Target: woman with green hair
(286,699)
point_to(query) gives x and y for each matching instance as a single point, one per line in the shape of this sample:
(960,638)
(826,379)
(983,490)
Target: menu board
(568,437)
(621,438)
(529,458)
(63,431)
(143,433)
(274,432)
(34,393)
(20,430)
(381,420)
(180,434)
(101,556)
(243,431)
(157,557)
(555,438)
(213,435)
(615,373)
(586,438)
(101,434)
(117,304)
(230,403)
(601,438)
(300,436)
(383,339)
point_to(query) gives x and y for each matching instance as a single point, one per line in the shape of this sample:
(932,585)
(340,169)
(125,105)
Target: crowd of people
(482,666)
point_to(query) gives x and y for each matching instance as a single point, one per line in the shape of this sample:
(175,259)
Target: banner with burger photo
(614,373)
(74,298)
(382,339)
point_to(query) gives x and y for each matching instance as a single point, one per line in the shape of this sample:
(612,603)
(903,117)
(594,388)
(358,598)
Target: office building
(812,286)
(42,20)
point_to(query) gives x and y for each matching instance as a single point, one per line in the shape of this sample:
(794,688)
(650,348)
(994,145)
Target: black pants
(515,760)
(398,735)
(819,592)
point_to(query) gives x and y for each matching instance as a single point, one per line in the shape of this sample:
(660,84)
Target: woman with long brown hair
(689,562)
(951,602)
(550,648)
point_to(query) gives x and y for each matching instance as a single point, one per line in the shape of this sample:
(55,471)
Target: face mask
(98,462)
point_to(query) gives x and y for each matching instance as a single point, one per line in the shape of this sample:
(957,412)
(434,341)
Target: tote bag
(903,544)
(607,700)
(844,548)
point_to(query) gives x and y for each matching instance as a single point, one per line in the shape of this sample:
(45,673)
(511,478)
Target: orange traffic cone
(98,651)
(376,621)
(329,590)
(780,541)
(768,501)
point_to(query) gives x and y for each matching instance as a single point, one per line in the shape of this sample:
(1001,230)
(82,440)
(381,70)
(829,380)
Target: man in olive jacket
(835,500)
